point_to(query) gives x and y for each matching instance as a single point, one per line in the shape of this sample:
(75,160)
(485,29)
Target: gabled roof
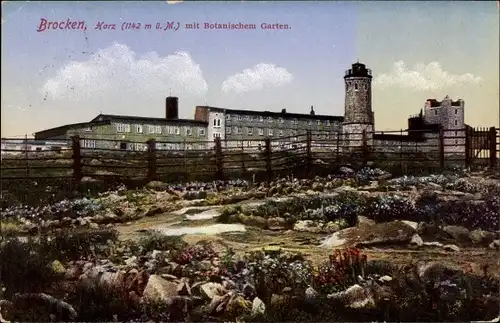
(62,129)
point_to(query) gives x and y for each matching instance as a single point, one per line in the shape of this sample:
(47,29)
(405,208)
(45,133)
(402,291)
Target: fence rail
(302,155)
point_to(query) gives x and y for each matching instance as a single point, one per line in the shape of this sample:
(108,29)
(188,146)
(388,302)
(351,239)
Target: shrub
(23,268)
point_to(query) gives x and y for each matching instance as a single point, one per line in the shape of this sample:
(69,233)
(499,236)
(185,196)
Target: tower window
(456,111)
(366,87)
(355,86)
(435,112)
(456,122)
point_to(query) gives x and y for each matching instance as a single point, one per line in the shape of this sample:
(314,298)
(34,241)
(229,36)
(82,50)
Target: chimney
(312,111)
(283,111)
(172,108)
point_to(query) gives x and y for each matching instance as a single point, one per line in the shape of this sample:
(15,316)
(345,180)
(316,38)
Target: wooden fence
(304,155)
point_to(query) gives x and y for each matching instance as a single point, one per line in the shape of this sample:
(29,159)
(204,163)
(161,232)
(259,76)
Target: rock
(451,247)
(354,297)
(159,290)
(495,245)
(210,290)
(311,296)
(332,227)
(385,279)
(306,226)
(364,221)
(258,307)
(57,267)
(276,223)
(416,240)
(132,261)
(380,233)
(157,186)
(481,237)
(457,232)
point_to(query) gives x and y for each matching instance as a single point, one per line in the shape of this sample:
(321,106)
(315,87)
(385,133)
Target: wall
(353,135)
(216,129)
(107,136)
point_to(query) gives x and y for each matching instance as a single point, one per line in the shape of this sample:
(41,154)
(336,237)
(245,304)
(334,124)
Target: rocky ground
(356,246)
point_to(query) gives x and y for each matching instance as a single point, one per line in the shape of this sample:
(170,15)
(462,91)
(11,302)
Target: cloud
(422,77)
(117,70)
(254,79)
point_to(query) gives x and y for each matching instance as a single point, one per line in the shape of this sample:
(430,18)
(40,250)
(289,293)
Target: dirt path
(306,243)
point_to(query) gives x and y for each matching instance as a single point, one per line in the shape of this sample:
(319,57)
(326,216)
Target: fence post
(441,148)
(77,159)
(337,157)
(365,148)
(268,153)
(219,173)
(151,160)
(468,150)
(493,146)
(308,152)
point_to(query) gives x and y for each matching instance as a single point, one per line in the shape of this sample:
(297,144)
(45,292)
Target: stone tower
(358,114)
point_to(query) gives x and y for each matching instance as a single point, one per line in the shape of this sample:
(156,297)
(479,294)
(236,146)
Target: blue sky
(64,76)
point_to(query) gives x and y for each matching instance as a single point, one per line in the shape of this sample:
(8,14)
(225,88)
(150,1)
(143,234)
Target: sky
(416,50)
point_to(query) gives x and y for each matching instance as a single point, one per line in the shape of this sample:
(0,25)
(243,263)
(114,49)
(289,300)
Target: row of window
(171,130)
(269,132)
(268,119)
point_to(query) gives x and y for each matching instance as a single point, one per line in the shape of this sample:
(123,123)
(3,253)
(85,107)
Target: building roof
(435,103)
(282,114)
(61,129)
(114,117)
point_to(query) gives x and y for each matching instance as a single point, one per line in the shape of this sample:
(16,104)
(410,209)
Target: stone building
(132,132)
(246,128)
(358,114)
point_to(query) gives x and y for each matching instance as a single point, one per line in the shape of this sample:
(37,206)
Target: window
(250,131)
(261,118)
(228,117)
(270,119)
(281,120)
(318,122)
(88,143)
(435,112)
(456,133)
(201,131)
(236,130)
(309,122)
(270,132)
(456,111)
(228,130)
(295,121)
(121,127)
(159,146)
(151,129)
(456,122)
(177,130)
(189,147)
(355,86)
(158,129)
(238,117)
(328,122)
(365,87)
(261,132)
(281,133)
(171,130)
(138,128)
(88,129)
(189,131)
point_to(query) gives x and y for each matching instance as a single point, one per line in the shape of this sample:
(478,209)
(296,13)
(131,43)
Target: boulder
(159,290)
(481,237)
(458,233)
(395,232)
